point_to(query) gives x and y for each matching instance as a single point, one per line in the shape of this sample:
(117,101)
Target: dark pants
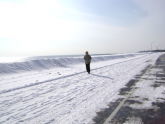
(88,67)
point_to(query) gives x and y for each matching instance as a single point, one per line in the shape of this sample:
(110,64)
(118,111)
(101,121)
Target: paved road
(142,100)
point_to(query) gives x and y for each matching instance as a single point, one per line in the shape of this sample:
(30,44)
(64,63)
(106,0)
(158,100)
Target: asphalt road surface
(145,108)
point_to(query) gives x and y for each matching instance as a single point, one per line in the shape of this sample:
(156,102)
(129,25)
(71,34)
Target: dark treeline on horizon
(153,51)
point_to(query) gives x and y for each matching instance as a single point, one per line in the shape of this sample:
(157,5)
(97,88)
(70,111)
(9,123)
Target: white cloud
(34,25)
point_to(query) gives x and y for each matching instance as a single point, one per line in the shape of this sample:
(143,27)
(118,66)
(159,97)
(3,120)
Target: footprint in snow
(58,73)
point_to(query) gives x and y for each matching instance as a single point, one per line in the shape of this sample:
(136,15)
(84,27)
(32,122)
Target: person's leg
(88,68)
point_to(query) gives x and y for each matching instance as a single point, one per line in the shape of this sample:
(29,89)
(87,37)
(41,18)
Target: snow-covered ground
(62,92)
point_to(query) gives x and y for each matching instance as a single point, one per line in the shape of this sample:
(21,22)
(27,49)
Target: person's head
(86,52)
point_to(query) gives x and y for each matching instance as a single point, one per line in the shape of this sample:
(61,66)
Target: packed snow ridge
(46,62)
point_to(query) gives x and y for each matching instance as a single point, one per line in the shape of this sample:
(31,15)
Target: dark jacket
(87,59)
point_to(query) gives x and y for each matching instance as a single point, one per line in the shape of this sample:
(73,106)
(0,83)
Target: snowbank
(38,63)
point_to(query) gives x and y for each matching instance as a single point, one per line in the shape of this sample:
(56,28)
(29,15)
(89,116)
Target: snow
(25,79)
(65,94)
(133,120)
(49,62)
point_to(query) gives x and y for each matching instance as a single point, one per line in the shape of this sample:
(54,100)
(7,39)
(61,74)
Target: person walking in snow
(87,59)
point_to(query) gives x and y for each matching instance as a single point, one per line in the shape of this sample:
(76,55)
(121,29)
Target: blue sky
(118,12)
(52,27)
